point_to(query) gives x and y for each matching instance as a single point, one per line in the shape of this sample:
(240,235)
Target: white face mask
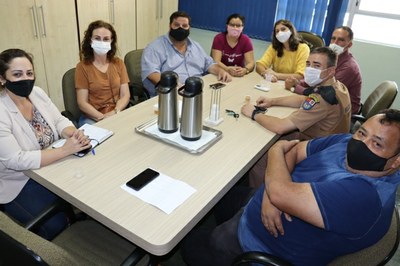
(336,48)
(101,48)
(312,76)
(283,36)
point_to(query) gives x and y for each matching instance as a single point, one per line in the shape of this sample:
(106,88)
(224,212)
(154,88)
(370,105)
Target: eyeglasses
(233,25)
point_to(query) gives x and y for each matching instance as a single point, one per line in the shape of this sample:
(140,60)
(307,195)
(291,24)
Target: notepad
(96,135)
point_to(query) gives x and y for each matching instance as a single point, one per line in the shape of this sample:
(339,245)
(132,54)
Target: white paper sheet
(164,192)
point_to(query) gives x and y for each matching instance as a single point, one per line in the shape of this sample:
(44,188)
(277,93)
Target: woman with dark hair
(286,56)
(233,49)
(101,79)
(30,123)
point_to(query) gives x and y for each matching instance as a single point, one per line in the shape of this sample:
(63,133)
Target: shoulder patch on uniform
(311,100)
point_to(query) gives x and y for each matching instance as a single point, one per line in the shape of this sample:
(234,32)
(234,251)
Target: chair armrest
(69,115)
(146,93)
(358,118)
(260,258)
(57,206)
(135,257)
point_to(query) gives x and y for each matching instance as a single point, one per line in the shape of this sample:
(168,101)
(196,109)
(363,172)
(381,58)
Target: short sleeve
(247,44)
(151,60)
(307,115)
(218,42)
(319,144)
(341,217)
(268,58)
(81,77)
(123,72)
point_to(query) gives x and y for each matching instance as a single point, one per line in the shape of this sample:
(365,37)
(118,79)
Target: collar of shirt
(188,43)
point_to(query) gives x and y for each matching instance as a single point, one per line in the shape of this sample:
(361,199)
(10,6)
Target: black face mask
(21,87)
(359,157)
(179,34)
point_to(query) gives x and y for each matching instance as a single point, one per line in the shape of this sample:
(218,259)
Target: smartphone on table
(142,179)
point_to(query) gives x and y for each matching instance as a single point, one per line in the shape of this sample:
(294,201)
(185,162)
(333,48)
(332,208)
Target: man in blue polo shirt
(321,199)
(176,52)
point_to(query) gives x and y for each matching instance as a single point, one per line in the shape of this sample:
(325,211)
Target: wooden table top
(92,183)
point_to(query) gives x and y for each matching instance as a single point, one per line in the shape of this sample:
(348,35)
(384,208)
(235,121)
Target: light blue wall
(377,62)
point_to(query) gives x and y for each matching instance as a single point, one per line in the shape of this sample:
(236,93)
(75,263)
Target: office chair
(313,40)
(85,242)
(381,98)
(133,65)
(72,111)
(378,254)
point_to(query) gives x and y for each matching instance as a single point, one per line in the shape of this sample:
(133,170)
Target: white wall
(377,62)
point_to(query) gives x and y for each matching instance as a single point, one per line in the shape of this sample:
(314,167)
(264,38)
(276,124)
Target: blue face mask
(359,157)
(21,88)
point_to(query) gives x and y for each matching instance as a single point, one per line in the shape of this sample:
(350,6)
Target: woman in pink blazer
(29,124)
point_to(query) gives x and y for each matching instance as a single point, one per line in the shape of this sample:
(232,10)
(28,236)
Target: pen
(93,152)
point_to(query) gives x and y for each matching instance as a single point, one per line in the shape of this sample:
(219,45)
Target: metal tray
(142,130)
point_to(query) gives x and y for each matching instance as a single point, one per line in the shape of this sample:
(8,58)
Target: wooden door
(20,29)
(124,22)
(119,13)
(167,7)
(91,10)
(147,17)
(59,38)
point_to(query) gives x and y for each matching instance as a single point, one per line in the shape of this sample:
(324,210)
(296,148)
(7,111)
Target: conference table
(93,183)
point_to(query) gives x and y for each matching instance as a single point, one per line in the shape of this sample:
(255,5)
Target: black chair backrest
(72,110)
(381,98)
(132,62)
(12,249)
(313,40)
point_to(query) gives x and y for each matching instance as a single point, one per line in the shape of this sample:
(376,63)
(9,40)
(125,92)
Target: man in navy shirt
(321,199)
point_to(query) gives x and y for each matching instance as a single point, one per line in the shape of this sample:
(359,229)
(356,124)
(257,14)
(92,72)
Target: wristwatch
(257,110)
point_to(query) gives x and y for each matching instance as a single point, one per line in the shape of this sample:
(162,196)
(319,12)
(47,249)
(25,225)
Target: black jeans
(218,245)
(30,202)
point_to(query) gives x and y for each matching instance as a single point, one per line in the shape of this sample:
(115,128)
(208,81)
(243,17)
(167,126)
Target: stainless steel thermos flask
(167,102)
(192,109)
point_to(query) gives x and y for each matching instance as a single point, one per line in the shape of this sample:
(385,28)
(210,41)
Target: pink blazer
(19,148)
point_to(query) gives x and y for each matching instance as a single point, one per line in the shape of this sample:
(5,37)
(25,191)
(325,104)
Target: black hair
(8,55)
(330,54)
(178,14)
(294,39)
(391,116)
(349,30)
(235,15)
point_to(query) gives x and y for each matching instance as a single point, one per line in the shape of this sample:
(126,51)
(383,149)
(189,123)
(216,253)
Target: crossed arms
(283,195)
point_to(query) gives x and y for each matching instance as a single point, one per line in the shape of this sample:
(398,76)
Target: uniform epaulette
(328,93)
